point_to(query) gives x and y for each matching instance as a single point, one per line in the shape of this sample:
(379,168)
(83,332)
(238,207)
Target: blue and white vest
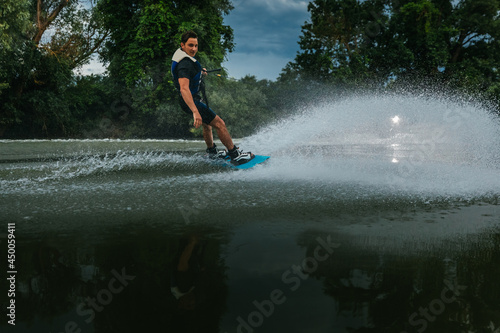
(194,83)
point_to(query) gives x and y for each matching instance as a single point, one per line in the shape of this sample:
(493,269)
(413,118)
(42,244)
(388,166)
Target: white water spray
(411,143)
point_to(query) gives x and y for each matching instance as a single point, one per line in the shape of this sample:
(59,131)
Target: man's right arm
(188,98)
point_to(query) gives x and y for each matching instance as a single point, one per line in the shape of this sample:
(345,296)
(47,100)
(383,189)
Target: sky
(266,34)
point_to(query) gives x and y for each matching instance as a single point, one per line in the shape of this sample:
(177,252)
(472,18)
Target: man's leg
(222,132)
(237,156)
(208,136)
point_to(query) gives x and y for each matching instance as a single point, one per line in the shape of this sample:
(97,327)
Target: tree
(143,37)
(14,18)
(242,104)
(475,45)
(77,33)
(145,34)
(335,46)
(399,40)
(37,69)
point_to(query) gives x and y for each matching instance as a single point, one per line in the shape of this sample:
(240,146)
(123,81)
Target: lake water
(374,214)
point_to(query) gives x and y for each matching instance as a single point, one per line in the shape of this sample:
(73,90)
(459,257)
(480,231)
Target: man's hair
(187,35)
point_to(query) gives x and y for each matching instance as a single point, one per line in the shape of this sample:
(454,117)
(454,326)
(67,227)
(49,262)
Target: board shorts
(206,113)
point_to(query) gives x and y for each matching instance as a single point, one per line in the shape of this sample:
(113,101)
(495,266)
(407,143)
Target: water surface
(374,214)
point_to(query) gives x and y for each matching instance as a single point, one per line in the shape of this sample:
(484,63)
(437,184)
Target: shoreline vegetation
(445,48)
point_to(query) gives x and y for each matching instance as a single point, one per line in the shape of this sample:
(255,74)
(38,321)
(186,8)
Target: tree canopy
(346,44)
(455,42)
(42,42)
(145,34)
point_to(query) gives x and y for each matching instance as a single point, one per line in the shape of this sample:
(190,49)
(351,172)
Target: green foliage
(346,44)
(335,46)
(143,37)
(241,104)
(36,70)
(14,18)
(418,29)
(355,42)
(49,103)
(145,34)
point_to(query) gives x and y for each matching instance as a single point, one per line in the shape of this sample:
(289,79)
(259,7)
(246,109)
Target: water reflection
(186,273)
(256,277)
(340,282)
(375,290)
(198,286)
(120,284)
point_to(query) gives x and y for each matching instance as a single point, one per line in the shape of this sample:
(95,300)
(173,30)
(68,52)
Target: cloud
(274,5)
(267,30)
(266,35)
(93,67)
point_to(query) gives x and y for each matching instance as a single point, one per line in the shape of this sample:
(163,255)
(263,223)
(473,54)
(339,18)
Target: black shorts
(207,114)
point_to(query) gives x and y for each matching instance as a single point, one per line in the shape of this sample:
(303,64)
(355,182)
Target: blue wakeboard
(258,159)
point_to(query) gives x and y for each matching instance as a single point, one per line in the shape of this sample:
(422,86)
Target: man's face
(190,47)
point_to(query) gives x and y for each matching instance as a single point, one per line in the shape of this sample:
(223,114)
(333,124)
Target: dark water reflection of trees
(116,285)
(124,284)
(452,288)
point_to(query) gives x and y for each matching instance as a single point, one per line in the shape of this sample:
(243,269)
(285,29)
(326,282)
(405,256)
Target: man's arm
(188,98)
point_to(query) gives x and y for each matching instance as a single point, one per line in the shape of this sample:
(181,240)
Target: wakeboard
(258,159)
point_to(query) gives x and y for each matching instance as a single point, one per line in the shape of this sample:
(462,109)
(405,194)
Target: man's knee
(218,123)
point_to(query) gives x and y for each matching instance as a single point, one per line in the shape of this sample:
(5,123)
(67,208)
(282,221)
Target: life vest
(194,83)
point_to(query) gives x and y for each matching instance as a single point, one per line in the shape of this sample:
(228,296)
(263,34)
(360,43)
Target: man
(187,73)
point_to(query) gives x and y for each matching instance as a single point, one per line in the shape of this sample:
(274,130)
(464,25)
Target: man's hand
(196,119)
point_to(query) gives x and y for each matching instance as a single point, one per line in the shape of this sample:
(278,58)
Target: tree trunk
(42,23)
